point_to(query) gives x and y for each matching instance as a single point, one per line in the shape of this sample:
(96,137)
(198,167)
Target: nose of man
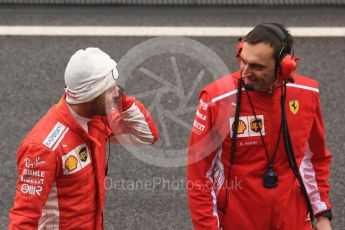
(245,71)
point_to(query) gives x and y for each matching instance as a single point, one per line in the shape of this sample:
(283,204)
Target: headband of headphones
(276,30)
(280,34)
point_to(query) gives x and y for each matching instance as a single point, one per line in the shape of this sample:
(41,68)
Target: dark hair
(263,34)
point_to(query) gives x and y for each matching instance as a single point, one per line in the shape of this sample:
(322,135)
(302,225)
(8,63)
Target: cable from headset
(292,159)
(236,121)
(106,167)
(233,140)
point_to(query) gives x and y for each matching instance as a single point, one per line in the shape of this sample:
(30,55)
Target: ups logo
(256,125)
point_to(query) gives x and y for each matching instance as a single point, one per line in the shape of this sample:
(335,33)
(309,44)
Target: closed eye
(255,66)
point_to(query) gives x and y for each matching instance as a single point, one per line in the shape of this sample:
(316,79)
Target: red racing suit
(249,205)
(61,167)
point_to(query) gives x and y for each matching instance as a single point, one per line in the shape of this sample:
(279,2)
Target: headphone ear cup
(239,49)
(287,67)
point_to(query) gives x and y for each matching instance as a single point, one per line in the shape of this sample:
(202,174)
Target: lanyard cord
(106,167)
(292,159)
(236,122)
(233,141)
(270,162)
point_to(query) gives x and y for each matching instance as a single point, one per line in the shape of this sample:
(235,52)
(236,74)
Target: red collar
(63,114)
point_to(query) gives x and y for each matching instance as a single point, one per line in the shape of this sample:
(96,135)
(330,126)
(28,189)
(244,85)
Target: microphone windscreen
(291,80)
(249,87)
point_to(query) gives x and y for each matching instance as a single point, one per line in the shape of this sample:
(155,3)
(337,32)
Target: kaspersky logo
(54,135)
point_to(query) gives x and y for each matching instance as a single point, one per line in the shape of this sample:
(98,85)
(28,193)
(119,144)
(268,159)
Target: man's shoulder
(222,85)
(304,83)
(46,131)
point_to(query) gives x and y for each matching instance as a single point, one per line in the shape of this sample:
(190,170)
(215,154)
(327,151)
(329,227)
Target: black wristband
(327,214)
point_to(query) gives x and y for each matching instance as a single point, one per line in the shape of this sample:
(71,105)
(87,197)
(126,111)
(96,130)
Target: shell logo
(241,127)
(71,163)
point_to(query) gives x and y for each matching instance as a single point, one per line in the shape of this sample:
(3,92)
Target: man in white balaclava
(62,162)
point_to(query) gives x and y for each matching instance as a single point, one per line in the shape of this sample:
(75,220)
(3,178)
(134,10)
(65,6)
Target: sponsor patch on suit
(248,126)
(76,160)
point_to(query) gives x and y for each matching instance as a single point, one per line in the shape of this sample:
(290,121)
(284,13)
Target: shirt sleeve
(316,165)
(201,190)
(132,123)
(36,175)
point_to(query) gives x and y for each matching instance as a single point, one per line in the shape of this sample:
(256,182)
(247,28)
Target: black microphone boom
(249,87)
(291,80)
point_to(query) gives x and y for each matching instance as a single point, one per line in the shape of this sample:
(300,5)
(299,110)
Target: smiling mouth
(250,80)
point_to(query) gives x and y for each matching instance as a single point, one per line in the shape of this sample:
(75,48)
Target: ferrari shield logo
(294,106)
(82,153)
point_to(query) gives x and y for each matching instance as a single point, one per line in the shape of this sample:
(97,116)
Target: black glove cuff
(327,214)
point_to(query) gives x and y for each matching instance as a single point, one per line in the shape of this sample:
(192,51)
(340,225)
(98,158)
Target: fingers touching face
(103,104)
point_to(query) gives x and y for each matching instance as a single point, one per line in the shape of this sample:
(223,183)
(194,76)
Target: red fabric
(250,204)
(78,182)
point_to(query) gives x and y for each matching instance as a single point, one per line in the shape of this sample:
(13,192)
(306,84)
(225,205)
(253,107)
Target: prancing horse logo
(294,106)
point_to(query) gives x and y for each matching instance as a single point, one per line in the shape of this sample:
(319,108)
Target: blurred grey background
(31,80)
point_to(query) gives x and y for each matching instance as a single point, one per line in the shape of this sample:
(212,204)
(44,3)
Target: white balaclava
(88,74)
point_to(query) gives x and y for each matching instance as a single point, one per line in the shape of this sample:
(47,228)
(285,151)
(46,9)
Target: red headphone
(285,64)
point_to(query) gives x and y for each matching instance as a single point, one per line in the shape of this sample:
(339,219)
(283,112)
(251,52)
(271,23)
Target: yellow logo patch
(241,127)
(294,106)
(71,163)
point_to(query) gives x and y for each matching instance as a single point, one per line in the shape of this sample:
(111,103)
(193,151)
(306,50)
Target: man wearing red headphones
(257,156)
